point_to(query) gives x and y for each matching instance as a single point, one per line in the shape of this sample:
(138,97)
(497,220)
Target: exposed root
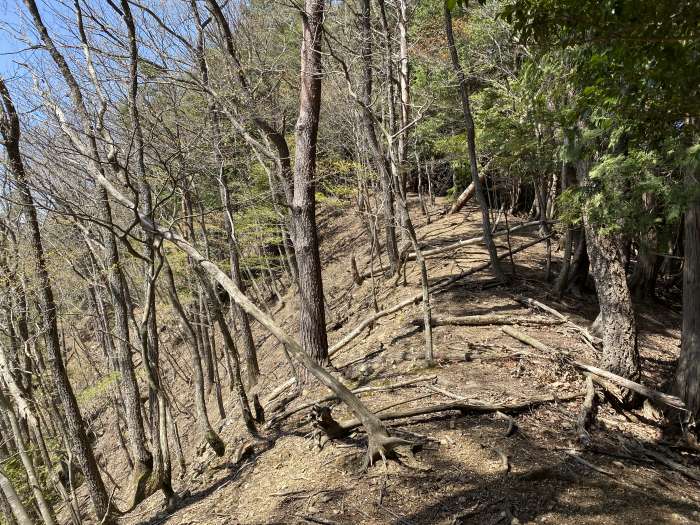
(381,446)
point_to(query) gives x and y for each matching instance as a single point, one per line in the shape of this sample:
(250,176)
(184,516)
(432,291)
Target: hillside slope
(464,468)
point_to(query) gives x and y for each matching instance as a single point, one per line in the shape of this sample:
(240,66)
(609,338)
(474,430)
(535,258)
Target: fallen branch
(673,465)
(440,287)
(356,391)
(464,407)
(482,320)
(650,393)
(468,242)
(532,303)
(281,388)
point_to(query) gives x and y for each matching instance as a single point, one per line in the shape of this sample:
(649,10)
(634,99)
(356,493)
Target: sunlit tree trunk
(312,308)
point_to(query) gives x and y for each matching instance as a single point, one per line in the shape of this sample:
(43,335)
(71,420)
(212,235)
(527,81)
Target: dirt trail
(460,473)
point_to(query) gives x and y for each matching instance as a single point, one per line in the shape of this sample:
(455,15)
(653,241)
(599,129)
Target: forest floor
(469,468)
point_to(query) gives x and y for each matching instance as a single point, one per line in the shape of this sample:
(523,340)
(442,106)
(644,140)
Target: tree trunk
(73,420)
(149,336)
(688,371)
(471,146)
(200,405)
(568,180)
(252,366)
(619,332)
(378,157)
(404,92)
(228,341)
(47,513)
(18,509)
(131,396)
(312,311)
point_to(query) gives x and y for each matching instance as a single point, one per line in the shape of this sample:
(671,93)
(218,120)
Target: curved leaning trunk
(466,195)
(616,318)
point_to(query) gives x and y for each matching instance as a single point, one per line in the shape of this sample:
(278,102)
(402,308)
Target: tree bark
(688,371)
(619,332)
(312,310)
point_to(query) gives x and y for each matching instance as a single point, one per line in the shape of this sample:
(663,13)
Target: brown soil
(458,474)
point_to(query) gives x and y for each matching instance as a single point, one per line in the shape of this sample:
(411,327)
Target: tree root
(381,445)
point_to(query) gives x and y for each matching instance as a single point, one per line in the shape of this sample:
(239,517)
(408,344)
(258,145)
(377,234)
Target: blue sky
(9,23)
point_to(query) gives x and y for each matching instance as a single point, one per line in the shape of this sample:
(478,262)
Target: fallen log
(468,242)
(482,320)
(466,195)
(650,393)
(464,407)
(440,287)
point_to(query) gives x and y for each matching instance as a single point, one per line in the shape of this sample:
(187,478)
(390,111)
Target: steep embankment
(473,468)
